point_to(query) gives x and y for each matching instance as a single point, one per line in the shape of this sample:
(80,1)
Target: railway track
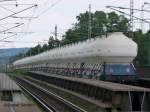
(48,101)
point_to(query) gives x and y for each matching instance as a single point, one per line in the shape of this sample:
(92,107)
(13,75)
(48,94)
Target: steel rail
(39,100)
(67,103)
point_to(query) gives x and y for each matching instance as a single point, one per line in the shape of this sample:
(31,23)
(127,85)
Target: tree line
(101,23)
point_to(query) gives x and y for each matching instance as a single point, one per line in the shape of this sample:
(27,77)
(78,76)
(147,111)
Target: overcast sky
(49,13)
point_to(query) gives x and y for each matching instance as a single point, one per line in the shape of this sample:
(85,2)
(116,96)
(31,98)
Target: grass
(18,73)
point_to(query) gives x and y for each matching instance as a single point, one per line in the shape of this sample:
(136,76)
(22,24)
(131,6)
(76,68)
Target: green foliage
(20,73)
(117,23)
(53,43)
(101,23)
(44,48)
(143,42)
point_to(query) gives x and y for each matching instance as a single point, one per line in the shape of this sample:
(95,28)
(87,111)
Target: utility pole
(142,16)
(38,47)
(131,17)
(30,52)
(90,26)
(149,48)
(56,32)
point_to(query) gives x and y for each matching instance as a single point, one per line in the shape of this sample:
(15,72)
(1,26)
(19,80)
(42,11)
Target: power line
(1,25)
(7,0)
(7,9)
(9,41)
(11,28)
(17,12)
(127,14)
(56,32)
(128,8)
(142,14)
(29,21)
(43,12)
(24,17)
(8,37)
(114,2)
(131,17)
(3,6)
(21,32)
(18,4)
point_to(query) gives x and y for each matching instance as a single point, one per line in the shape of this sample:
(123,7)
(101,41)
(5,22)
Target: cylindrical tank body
(116,50)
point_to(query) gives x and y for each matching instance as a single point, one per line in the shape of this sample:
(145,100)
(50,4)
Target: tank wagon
(107,58)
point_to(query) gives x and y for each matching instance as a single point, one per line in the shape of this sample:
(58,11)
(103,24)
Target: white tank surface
(113,48)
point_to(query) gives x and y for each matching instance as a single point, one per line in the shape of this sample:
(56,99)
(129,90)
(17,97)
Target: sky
(46,15)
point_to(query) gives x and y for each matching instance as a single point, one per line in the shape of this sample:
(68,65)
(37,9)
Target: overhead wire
(7,0)
(13,13)
(125,8)
(3,26)
(41,13)
(18,4)
(30,19)
(47,9)
(114,2)
(17,12)
(9,41)
(128,14)
(29,22)
(7,9)
(11,28)
(8,37)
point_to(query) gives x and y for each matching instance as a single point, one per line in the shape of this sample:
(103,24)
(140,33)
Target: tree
(36,49)
(101,23)
(142,42)
(44,48)
(53,43)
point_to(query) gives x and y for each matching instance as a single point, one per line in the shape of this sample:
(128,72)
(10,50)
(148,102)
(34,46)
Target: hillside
(11,51)
(6,54)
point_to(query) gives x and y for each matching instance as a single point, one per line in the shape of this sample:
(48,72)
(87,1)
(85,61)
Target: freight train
(108,57)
